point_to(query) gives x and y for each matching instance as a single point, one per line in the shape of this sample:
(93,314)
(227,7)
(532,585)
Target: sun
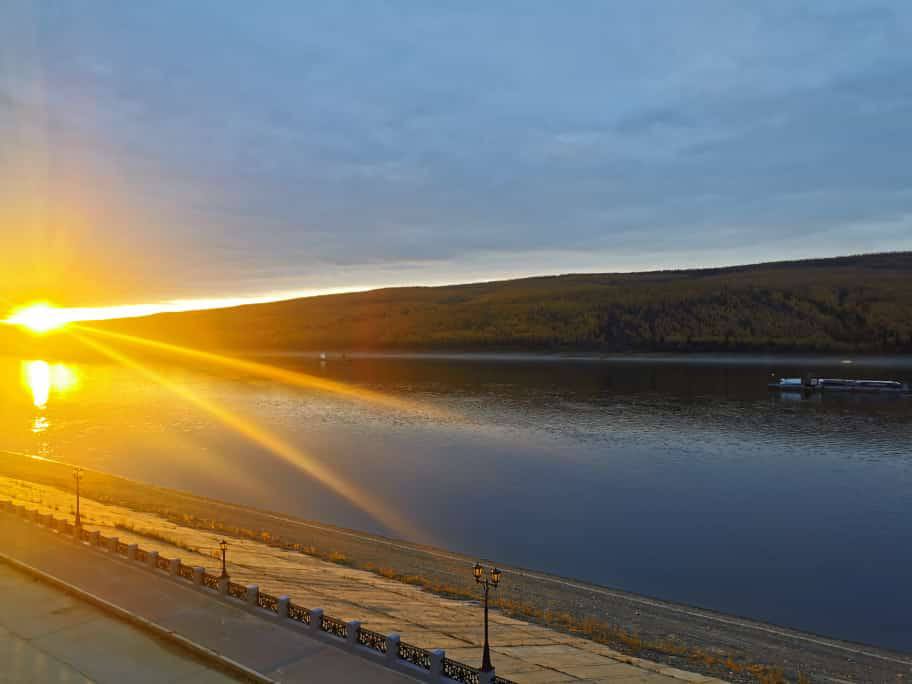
(39,318)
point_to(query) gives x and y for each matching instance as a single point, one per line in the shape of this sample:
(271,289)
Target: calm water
(687,481)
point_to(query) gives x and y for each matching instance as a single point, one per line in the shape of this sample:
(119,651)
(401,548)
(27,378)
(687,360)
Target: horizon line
(76,314)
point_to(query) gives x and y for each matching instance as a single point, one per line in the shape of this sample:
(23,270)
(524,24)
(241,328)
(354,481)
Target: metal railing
(373,640)
(415,656)
(298,613)
(366,638)
(268,602)
(459,672)
(335,627)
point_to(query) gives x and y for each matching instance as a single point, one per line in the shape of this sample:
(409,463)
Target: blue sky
(203,149)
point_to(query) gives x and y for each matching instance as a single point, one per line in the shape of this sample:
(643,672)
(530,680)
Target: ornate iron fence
(373,640)
(452,669)
(84,534)
(268,601)
(298,613)
(335,627)
(414,655)
(459,672)
(104,541)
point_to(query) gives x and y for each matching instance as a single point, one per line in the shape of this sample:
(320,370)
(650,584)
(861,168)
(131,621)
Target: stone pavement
(108,647)
(48,635)
(521,651)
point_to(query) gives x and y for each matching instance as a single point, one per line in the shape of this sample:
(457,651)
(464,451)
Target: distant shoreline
(689,358)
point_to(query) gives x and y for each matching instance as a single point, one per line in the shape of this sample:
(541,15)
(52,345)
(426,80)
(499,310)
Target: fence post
(174,568)
(112,544)
(152,558)
(131,552)
(351,633)
(282,608)
(436,671)
(253,594)
(198,575)
(392,648)
(223,585)
(486,677)
(316,619)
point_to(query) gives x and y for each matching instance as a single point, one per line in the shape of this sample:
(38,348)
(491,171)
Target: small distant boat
(808,384)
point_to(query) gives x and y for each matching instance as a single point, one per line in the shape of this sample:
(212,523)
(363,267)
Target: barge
(808,384)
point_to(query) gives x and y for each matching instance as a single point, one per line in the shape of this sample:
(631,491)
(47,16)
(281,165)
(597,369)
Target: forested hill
(858,303)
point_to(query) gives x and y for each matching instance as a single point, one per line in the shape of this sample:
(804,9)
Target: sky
(200,150)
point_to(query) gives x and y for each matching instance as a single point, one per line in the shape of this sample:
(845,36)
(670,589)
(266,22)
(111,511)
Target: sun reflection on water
(40,424)
(42,380)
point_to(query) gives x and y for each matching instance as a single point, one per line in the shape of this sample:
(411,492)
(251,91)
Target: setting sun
(39,318)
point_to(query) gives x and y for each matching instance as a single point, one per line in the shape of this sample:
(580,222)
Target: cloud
(243,145)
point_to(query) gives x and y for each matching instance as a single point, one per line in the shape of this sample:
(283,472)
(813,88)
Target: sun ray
(38,318)
(273,443)
(289,377)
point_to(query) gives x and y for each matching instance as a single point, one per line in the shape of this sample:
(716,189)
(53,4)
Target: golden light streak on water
(277,374)
(271,442)
(42,379)
(36,376)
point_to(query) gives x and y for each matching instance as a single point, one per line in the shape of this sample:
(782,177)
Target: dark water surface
(678,478)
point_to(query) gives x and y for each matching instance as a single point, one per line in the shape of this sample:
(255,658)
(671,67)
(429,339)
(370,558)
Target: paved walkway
(522,652)
(47,635)
(107,647)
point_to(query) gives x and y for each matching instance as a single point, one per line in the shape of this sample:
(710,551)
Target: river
(682,478)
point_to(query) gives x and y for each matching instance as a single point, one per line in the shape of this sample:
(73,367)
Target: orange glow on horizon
(38,318)
(41,317)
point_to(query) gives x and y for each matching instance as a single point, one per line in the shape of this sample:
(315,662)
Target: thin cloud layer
(182,150)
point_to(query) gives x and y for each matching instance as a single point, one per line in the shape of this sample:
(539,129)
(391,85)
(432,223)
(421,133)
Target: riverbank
(284,549)
(899,361)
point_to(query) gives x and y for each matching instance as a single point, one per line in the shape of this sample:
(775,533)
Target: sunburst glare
(39,318)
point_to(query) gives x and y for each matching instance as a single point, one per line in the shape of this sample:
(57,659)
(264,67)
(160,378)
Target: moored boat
(808,384)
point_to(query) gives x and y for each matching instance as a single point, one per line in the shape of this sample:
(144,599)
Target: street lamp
(489,582)
(223,546)
(77,475)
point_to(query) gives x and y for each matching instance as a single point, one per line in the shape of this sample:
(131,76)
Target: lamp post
(223,546)
(489,582)
(77,475)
